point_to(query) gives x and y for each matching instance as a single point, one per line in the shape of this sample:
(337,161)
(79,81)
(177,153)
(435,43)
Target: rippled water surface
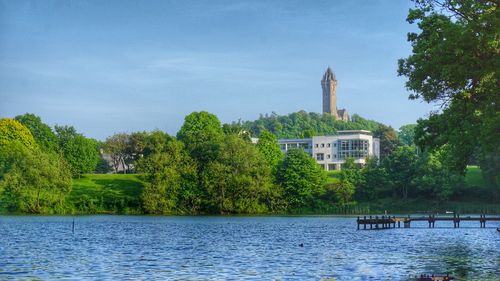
(252,248)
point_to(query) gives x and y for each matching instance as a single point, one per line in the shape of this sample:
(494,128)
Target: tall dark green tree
(388,140)
(455,62)
(402,168)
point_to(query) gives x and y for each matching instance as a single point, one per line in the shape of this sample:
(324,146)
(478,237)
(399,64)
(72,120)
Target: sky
(122,66)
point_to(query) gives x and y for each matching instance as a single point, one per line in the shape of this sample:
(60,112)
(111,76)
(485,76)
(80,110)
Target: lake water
(235,248)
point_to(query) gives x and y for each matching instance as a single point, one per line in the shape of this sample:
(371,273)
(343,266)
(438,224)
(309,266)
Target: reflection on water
(255,248)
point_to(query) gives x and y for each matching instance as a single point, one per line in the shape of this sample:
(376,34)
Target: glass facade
(355,148)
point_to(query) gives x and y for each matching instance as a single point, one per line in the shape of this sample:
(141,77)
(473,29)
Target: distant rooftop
(349,132)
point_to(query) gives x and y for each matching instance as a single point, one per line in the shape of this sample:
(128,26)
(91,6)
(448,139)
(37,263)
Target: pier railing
(384,222)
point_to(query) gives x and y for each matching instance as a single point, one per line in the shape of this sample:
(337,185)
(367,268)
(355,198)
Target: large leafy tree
(202,134)
(81,153)
(455,62)
(33,181)
(239,179)
(43,134)
(301,178)
(169,173)
(13,131)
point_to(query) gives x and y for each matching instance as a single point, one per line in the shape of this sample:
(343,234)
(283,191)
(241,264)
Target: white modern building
(331,151)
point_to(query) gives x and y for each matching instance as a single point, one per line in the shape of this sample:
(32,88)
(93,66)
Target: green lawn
(333,177)
(106,193)
(473,177)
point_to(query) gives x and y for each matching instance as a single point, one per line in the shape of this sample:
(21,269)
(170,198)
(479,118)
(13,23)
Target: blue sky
(123,66)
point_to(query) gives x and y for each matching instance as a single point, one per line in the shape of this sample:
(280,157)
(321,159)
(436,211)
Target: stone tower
(329,86)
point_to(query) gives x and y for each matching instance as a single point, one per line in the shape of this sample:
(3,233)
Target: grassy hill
(106,193)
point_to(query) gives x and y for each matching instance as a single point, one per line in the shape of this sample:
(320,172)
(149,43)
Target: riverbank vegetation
(210,168)
(214,168)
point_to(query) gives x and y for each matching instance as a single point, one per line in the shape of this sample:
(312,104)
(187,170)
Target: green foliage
(42,133)
(375,181)
(388,140)
(302,179)
(33,181)
(268,146)
(13,131)
(168,172)
(406,134)
(350,177)
(402,167)
(434,180)
(201,133)
(239,179)
(461,37)
(81,153)
(107,193)
(305,125)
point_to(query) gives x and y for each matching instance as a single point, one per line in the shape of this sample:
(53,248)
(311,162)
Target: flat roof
(348,132)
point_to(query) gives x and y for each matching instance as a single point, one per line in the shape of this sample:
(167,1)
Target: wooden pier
(385,222)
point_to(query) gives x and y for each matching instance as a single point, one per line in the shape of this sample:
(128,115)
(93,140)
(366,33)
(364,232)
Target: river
(240,248)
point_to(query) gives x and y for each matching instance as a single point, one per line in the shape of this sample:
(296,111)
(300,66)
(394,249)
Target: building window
(316,145)
(328,145)
(334,155)
(322,145)
(283,146)
(328,156)
(320,156)
(331,167)
(334,144)
(355,148)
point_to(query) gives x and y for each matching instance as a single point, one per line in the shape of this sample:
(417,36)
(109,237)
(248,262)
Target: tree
(33,181)
(302,179)
(43,134)
(406,134)
(388,140)
(376,181)
(168,174)
(351,178)
(13,131)
(116,147)
(239,179)
(434,180)
(201,133)
(455,62)
(268,146)
(402,167)
(81,153)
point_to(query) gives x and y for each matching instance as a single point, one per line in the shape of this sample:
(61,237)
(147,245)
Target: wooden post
(364,226)
(371,225)
(376,222)
(358,223)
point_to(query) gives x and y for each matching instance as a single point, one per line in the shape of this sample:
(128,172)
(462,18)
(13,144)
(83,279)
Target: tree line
(213,168)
